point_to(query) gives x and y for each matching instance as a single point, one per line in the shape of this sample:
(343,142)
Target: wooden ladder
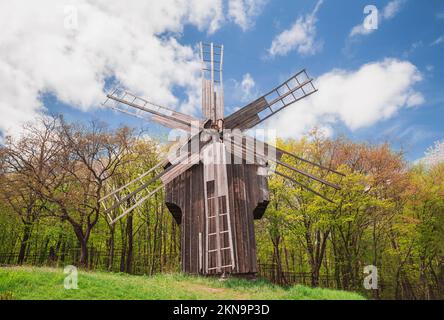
(219,253)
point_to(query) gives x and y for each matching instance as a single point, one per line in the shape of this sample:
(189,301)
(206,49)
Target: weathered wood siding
(248,199)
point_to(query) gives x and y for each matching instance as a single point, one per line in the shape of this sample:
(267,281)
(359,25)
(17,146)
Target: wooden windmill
(215,182)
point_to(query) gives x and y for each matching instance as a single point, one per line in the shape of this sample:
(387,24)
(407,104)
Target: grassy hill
(47,283)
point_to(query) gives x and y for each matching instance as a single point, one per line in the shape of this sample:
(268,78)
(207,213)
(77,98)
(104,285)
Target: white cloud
(392,8)
(242,12)
(433,155)
(360,30)
(388,12)
(359,98)
(247,86)
(241,91)
(301,36)
(437,41)
(132,42)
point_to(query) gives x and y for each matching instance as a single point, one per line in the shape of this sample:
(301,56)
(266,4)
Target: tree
(24,161)
(70,180)
(142,156)
(425,207)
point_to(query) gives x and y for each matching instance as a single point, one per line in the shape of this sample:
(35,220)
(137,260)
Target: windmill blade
(308,175)
(303,186)
(178,165)
(131,194)
(129,103)
(270,153)
(240,152)
(178,161)
(135,205)
(310,162)
(265,158)
(129,184)
(212,57)
(177,168)
(143,186)
(294,89)
(243,151)
(236,135)
(177,153)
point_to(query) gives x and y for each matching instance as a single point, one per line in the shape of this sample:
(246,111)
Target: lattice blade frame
(211,56)
(242,150)
(126,102)
(294,89)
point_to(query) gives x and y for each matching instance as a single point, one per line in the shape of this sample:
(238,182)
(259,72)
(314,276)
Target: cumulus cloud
(359,98)
(74,49)
(242,12)
(301,36)
(387,13)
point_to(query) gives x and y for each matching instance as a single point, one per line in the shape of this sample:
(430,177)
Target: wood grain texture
(246,117)
(248,200)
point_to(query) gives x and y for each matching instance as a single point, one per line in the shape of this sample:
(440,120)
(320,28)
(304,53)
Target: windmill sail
(268,151)
(136,197)
(212,81)
(179,160)
(129,103)
(240,147)
(294,89)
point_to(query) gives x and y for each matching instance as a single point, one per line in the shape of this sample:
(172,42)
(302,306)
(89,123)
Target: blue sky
(410,36)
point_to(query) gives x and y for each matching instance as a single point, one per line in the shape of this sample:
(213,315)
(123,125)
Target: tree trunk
(24,243)
(276,240)
(311,254)
(111,247)
(83,242)
(154,252)
(83,261)
(123,252)
(315,276)
(129,235)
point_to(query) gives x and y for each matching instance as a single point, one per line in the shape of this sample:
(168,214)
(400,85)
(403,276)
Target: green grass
(47,283)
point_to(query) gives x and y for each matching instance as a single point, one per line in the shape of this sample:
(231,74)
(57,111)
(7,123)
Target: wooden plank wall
(247,199)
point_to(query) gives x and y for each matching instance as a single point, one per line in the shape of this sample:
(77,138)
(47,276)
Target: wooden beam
(303,186)
(174,119)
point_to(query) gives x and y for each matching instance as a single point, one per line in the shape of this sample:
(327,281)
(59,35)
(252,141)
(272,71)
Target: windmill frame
(212,197)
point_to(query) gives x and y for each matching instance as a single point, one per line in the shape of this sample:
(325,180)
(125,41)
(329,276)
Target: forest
(388,213)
